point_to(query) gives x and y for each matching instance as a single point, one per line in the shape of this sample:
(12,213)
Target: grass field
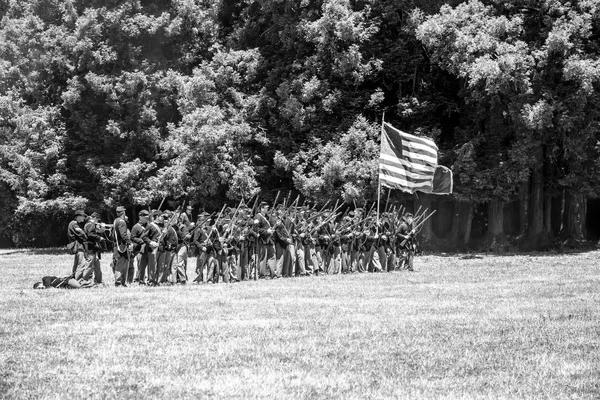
(522,326)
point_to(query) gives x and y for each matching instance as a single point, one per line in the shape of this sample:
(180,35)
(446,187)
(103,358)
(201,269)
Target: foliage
(344,168)
(531,79)
(111,102)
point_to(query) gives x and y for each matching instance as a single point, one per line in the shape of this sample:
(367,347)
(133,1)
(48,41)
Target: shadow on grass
(482,254)
(40,251)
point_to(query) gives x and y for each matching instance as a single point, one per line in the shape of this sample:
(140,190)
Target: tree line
(106,103)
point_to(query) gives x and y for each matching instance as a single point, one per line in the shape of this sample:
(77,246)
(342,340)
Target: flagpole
(378,179)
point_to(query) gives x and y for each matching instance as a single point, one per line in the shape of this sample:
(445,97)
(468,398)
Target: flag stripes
(406,162)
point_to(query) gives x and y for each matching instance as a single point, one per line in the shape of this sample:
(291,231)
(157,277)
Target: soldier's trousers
(81,265)
(286,258)
(243,261)
(332,259)
(121,267)
(225,267)
(201,264)
(406,260)
(391,260)
(374,260)
(252,262)
(279,259)
(233,263)
(84,264)
(320,264)
(212,270)
(312,261)
(147,261)
(300,268)
(362,263)
(131,269)
(179,264)
(346,260)
(163,262)
(266,260)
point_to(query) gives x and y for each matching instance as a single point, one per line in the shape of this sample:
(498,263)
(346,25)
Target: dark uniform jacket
(264,237)
(94,240)
(76,233)
(137,233)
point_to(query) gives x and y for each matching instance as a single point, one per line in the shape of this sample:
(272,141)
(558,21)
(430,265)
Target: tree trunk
(523,208)
(548,213)
(495,218)
(461,222)
(468,223)
(574,216)
(536,208)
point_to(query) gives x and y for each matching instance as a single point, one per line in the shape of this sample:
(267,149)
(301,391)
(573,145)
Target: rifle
(254,205)
(321,213)
(199,224)
(414,230)
(287,199)
(171,222)
(217,221)
(354,224)
(327,220)
(276,198)
(161,203)
(387,200)
(326,204)
(230,225)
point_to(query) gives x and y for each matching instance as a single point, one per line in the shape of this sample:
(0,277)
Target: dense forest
(127,102)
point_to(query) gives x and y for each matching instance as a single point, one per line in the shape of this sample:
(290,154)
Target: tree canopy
(128,102)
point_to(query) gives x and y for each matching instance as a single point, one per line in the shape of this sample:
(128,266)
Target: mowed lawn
(521,326)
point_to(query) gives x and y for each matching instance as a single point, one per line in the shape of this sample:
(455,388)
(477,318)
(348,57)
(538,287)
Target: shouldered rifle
(171,222)
(414,230)
(276,198)
(217,221)
(230,225)
(161,203)
(254,205)
(326,221)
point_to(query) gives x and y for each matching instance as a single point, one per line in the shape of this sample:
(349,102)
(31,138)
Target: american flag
(406,162)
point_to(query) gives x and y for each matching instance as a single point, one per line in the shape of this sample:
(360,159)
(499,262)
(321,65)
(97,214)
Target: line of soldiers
(238,244)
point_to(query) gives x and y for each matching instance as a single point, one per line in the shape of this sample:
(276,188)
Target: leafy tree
(519,85)
(345,168)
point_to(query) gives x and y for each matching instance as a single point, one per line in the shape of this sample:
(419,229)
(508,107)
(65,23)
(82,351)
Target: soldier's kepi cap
(79,213)
(120,209)
(144,213)
(95,215)
(262,204)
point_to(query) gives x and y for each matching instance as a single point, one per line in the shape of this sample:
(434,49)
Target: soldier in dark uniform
(335,248)
(201,242)
(166,247)
(185,218)
(180,254)
(346,237)
(93,249)
(123,248)
(282,239)
(244,259)
(137,238)
(298,236)
(266,246)
(149,256)
(405,243)
(78,241)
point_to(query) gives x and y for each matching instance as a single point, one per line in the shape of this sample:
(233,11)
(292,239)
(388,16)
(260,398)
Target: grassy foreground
(524,326)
